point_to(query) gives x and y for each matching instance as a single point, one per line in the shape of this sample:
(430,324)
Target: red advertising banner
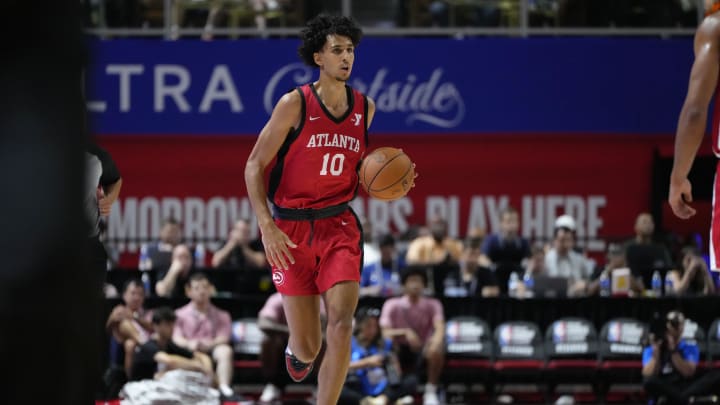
(602,181)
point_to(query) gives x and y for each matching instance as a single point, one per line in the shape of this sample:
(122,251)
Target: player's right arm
(285,117)
(693,117)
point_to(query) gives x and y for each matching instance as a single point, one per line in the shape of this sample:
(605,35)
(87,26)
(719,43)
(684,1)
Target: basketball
(387,173)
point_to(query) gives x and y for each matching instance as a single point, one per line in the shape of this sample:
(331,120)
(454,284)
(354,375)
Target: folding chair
(571,349)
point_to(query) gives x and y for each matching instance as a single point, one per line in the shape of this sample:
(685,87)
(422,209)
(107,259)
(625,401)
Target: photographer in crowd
(670,364)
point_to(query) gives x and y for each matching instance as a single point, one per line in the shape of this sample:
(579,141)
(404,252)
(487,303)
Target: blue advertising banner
(479,85)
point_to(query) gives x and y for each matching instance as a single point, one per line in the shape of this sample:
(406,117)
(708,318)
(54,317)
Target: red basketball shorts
(329,251)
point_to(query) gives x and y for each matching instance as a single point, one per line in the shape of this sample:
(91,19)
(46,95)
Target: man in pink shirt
(206,328)
(417,326)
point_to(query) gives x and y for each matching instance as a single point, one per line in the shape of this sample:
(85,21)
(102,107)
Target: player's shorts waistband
(308,214)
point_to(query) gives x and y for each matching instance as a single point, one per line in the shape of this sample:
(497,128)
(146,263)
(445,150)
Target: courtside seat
(246,340)
(621,344)
(695,334)
(469,351)
(519,357)
(713,345)
(571,349)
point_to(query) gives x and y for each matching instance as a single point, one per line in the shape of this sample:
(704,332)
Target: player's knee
(340,326)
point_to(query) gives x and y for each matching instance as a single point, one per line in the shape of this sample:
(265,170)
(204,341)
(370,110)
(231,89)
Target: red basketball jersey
(317,165)
(716,123)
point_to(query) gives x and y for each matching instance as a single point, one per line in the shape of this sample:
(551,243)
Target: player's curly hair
(316,31)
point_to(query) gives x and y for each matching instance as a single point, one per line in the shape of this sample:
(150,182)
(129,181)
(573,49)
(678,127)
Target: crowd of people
(399,347)
(210,14)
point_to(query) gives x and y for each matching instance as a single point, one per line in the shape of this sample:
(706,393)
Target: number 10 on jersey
(336,164)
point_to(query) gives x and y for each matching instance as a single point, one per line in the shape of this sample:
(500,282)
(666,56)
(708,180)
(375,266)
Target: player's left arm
(371,111)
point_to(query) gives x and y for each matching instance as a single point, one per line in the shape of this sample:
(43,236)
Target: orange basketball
(387,174)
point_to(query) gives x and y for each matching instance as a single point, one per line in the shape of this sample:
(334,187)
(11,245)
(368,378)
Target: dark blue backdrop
(482,85)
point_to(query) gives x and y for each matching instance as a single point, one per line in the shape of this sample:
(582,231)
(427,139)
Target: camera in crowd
(663,323)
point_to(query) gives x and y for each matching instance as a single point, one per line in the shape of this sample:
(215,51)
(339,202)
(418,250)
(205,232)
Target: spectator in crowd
(694,277)
(129,324)
(473,277)
(506,249)
(615,259)
(644,256)
(272,321)
(535,264)
(382,278)
(173,279)
(507,246)
(670,365)
(437,251)
(161,353)
(161,252)
(562,260)
(240,252)
(374,376)
(417,326)
(204,327)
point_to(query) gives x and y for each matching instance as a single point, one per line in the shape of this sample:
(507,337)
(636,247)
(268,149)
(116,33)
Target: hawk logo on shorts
(357,119)
(278,277)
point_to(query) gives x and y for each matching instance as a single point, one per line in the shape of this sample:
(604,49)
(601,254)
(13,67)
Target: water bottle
(604,285)
(529,282)
(144,261)
(199,255)
(147,284)
(669,288)
(656,284)
(513,284)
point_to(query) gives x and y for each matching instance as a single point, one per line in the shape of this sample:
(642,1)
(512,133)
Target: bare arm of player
(285,117)
(371,111)
(693,117)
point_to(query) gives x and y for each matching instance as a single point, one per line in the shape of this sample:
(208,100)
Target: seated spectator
(160,252)
(206,328)
(240,252)
(382,278)
(172,281)
(563,261)
(374,375)
(436,251)
(161,354)
(470,278)
(417,326)
(272,321)
(694,278)
(507,246)
(129,324)
(535,264)
(615,259)
(644,256)
(670,365)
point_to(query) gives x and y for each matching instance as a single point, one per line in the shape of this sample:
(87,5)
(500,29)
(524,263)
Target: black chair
(694,334)
(571,348)
(620,353)
(247,340)
(469,352)
(713,345)
(519,358)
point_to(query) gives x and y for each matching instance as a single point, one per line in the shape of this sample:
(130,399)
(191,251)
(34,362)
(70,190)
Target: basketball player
(693,118)
(312,239)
